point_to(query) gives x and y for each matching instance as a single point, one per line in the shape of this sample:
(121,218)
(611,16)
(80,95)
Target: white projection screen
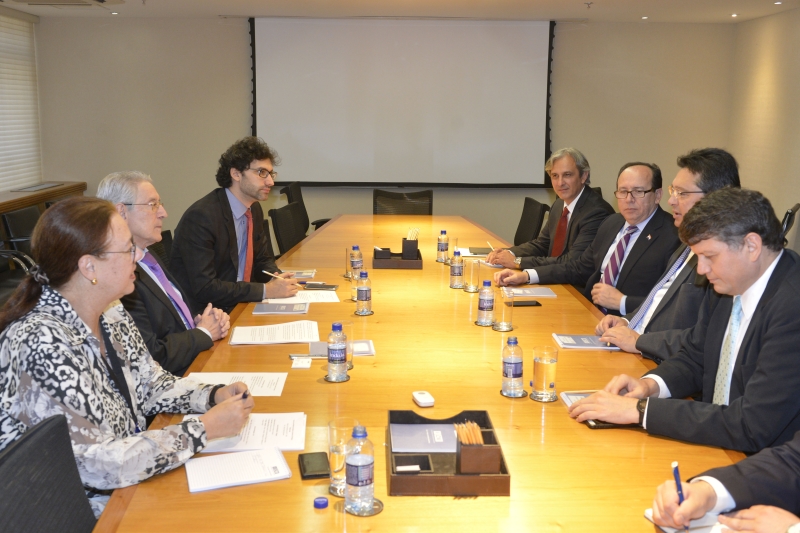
(403,102)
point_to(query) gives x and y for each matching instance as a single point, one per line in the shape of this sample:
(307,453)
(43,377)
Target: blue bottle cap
(444,232)
(363,274)
(337,326)
(512,340)
(359,431)
(355,247)
(487,283)
(457,253)
(320,503)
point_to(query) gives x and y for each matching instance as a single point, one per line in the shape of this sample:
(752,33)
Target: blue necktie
(640,314)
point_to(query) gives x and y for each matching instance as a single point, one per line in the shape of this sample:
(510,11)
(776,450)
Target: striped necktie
(611,272)
(727,358)
(174,296)
(640,314)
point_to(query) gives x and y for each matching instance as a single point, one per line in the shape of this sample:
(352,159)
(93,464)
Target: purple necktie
(176,298)
(611,272)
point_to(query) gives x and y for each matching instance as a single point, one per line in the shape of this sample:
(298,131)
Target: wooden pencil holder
(477,458)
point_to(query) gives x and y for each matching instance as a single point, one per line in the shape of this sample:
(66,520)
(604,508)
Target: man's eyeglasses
(132,251)
(263,173)
(681,194)
(153,205)
(636,193)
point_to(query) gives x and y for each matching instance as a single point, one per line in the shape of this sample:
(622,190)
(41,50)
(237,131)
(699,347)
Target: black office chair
(295,194)
(19,227)
(41,488)
(530,223)
(400,203)
(10,277)
(287,222)
(788,219)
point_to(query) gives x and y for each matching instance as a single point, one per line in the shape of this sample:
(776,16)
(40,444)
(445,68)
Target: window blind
(20,148)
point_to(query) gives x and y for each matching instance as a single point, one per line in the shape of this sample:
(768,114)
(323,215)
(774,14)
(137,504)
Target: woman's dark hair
(67,231)
(240,155)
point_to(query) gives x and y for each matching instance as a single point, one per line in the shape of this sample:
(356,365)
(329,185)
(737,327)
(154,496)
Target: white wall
(168,96)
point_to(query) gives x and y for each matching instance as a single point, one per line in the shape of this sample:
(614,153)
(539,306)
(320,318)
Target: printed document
(231,469)
(285,431)
(583,342)
(288,332)
(258,383)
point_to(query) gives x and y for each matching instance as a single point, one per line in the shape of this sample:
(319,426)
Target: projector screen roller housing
(404,102)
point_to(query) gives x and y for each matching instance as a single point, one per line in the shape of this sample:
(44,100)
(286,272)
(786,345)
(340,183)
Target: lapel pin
(648,236)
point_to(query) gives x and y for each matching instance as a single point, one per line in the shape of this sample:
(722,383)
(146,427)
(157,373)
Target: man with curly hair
(220,248)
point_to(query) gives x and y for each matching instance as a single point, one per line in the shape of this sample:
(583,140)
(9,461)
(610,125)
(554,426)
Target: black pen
(245,394)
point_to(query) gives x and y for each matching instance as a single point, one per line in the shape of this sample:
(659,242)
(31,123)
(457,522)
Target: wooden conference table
(564,476)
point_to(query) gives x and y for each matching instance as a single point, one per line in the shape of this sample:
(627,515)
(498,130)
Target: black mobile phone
(314,465)
(320,287)
(525,303)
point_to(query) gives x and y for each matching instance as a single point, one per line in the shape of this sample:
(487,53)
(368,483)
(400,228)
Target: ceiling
(698,11)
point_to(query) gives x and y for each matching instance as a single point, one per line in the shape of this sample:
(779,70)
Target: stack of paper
(258,383)
(533,292)
(307,296)
(299,331)
(285,431)
(281,309)
(233,469)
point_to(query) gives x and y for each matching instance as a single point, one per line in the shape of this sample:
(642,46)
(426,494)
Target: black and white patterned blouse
(50,363)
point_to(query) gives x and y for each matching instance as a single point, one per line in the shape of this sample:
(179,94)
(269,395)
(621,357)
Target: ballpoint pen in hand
(678,486)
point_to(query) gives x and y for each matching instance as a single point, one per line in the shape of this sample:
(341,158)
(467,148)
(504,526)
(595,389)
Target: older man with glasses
(173,333)
(220,249)
(630,251)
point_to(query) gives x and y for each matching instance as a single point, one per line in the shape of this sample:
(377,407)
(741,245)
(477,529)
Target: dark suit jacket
(764,407)
(645,261)
(590,211)
(770,477)
(677,311)
(166,336)
(205,255)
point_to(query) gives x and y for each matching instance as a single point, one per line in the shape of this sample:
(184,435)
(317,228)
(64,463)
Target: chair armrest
(319,223)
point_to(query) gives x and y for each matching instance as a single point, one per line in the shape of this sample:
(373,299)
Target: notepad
(707,524)
(582,342)
(232,469)
(258,383)
(303,274)
(423,438)
(307,296)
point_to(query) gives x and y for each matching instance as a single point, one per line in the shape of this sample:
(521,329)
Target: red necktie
(248,262)
(561,234)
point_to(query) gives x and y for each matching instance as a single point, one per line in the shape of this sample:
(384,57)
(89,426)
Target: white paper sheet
(307,296)
(361,348)
(259,383)
(285,431)
(229,470)
(288,332)
(706,524)
(301,362)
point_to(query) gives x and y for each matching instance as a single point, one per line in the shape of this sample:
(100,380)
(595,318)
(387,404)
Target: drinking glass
(340,430)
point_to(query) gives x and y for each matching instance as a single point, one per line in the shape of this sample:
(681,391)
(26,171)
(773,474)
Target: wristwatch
(518,262)
(641,406)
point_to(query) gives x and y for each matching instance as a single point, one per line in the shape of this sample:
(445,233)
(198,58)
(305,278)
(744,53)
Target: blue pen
(245,394)
(677,474)
(311,282)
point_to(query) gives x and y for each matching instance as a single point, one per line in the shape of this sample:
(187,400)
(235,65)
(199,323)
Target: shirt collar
(571,206)
(752,295)
(641,224)
(237,207)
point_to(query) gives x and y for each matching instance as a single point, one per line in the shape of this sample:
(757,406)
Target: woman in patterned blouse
(64,351)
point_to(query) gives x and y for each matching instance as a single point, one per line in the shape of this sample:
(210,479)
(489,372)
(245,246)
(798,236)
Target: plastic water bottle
(456,271)
(360,476)
(337,354)
(441,247)
(512,369)
(364,301)
(486,304)
(356,261)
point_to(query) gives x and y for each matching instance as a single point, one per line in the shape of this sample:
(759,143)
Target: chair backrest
(287,222)
(530,223)
(163,248)
(41,488)
(400,203)
(19,225)
(598,190)
(294,194)
(788,219)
